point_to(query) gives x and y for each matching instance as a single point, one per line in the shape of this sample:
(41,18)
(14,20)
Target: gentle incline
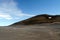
(32,32)
(40,27)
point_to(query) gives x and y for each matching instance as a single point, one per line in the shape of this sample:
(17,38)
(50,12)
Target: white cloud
(5,16)
(24,15)
(8,9)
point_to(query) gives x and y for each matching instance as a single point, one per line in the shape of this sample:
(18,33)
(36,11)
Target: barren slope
(32,32)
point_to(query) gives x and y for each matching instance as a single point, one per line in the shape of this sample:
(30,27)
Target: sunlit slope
(32,32)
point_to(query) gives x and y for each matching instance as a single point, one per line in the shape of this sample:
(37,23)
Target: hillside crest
(43,18)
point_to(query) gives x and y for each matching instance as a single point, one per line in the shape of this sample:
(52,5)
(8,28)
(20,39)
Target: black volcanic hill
(39,19)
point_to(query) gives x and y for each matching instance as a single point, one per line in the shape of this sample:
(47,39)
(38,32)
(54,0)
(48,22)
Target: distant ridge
(39,19)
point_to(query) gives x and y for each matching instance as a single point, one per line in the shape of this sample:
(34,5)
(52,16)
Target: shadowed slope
(39,19)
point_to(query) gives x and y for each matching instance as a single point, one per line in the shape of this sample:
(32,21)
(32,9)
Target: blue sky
(12,11)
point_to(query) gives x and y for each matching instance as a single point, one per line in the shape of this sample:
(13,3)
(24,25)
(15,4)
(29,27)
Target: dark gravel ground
(32,32)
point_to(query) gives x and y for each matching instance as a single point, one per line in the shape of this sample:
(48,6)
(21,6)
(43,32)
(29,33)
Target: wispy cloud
(8,9)
(5,16)
(24,14)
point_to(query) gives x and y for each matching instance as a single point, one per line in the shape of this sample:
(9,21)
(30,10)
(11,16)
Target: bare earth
(32,32)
